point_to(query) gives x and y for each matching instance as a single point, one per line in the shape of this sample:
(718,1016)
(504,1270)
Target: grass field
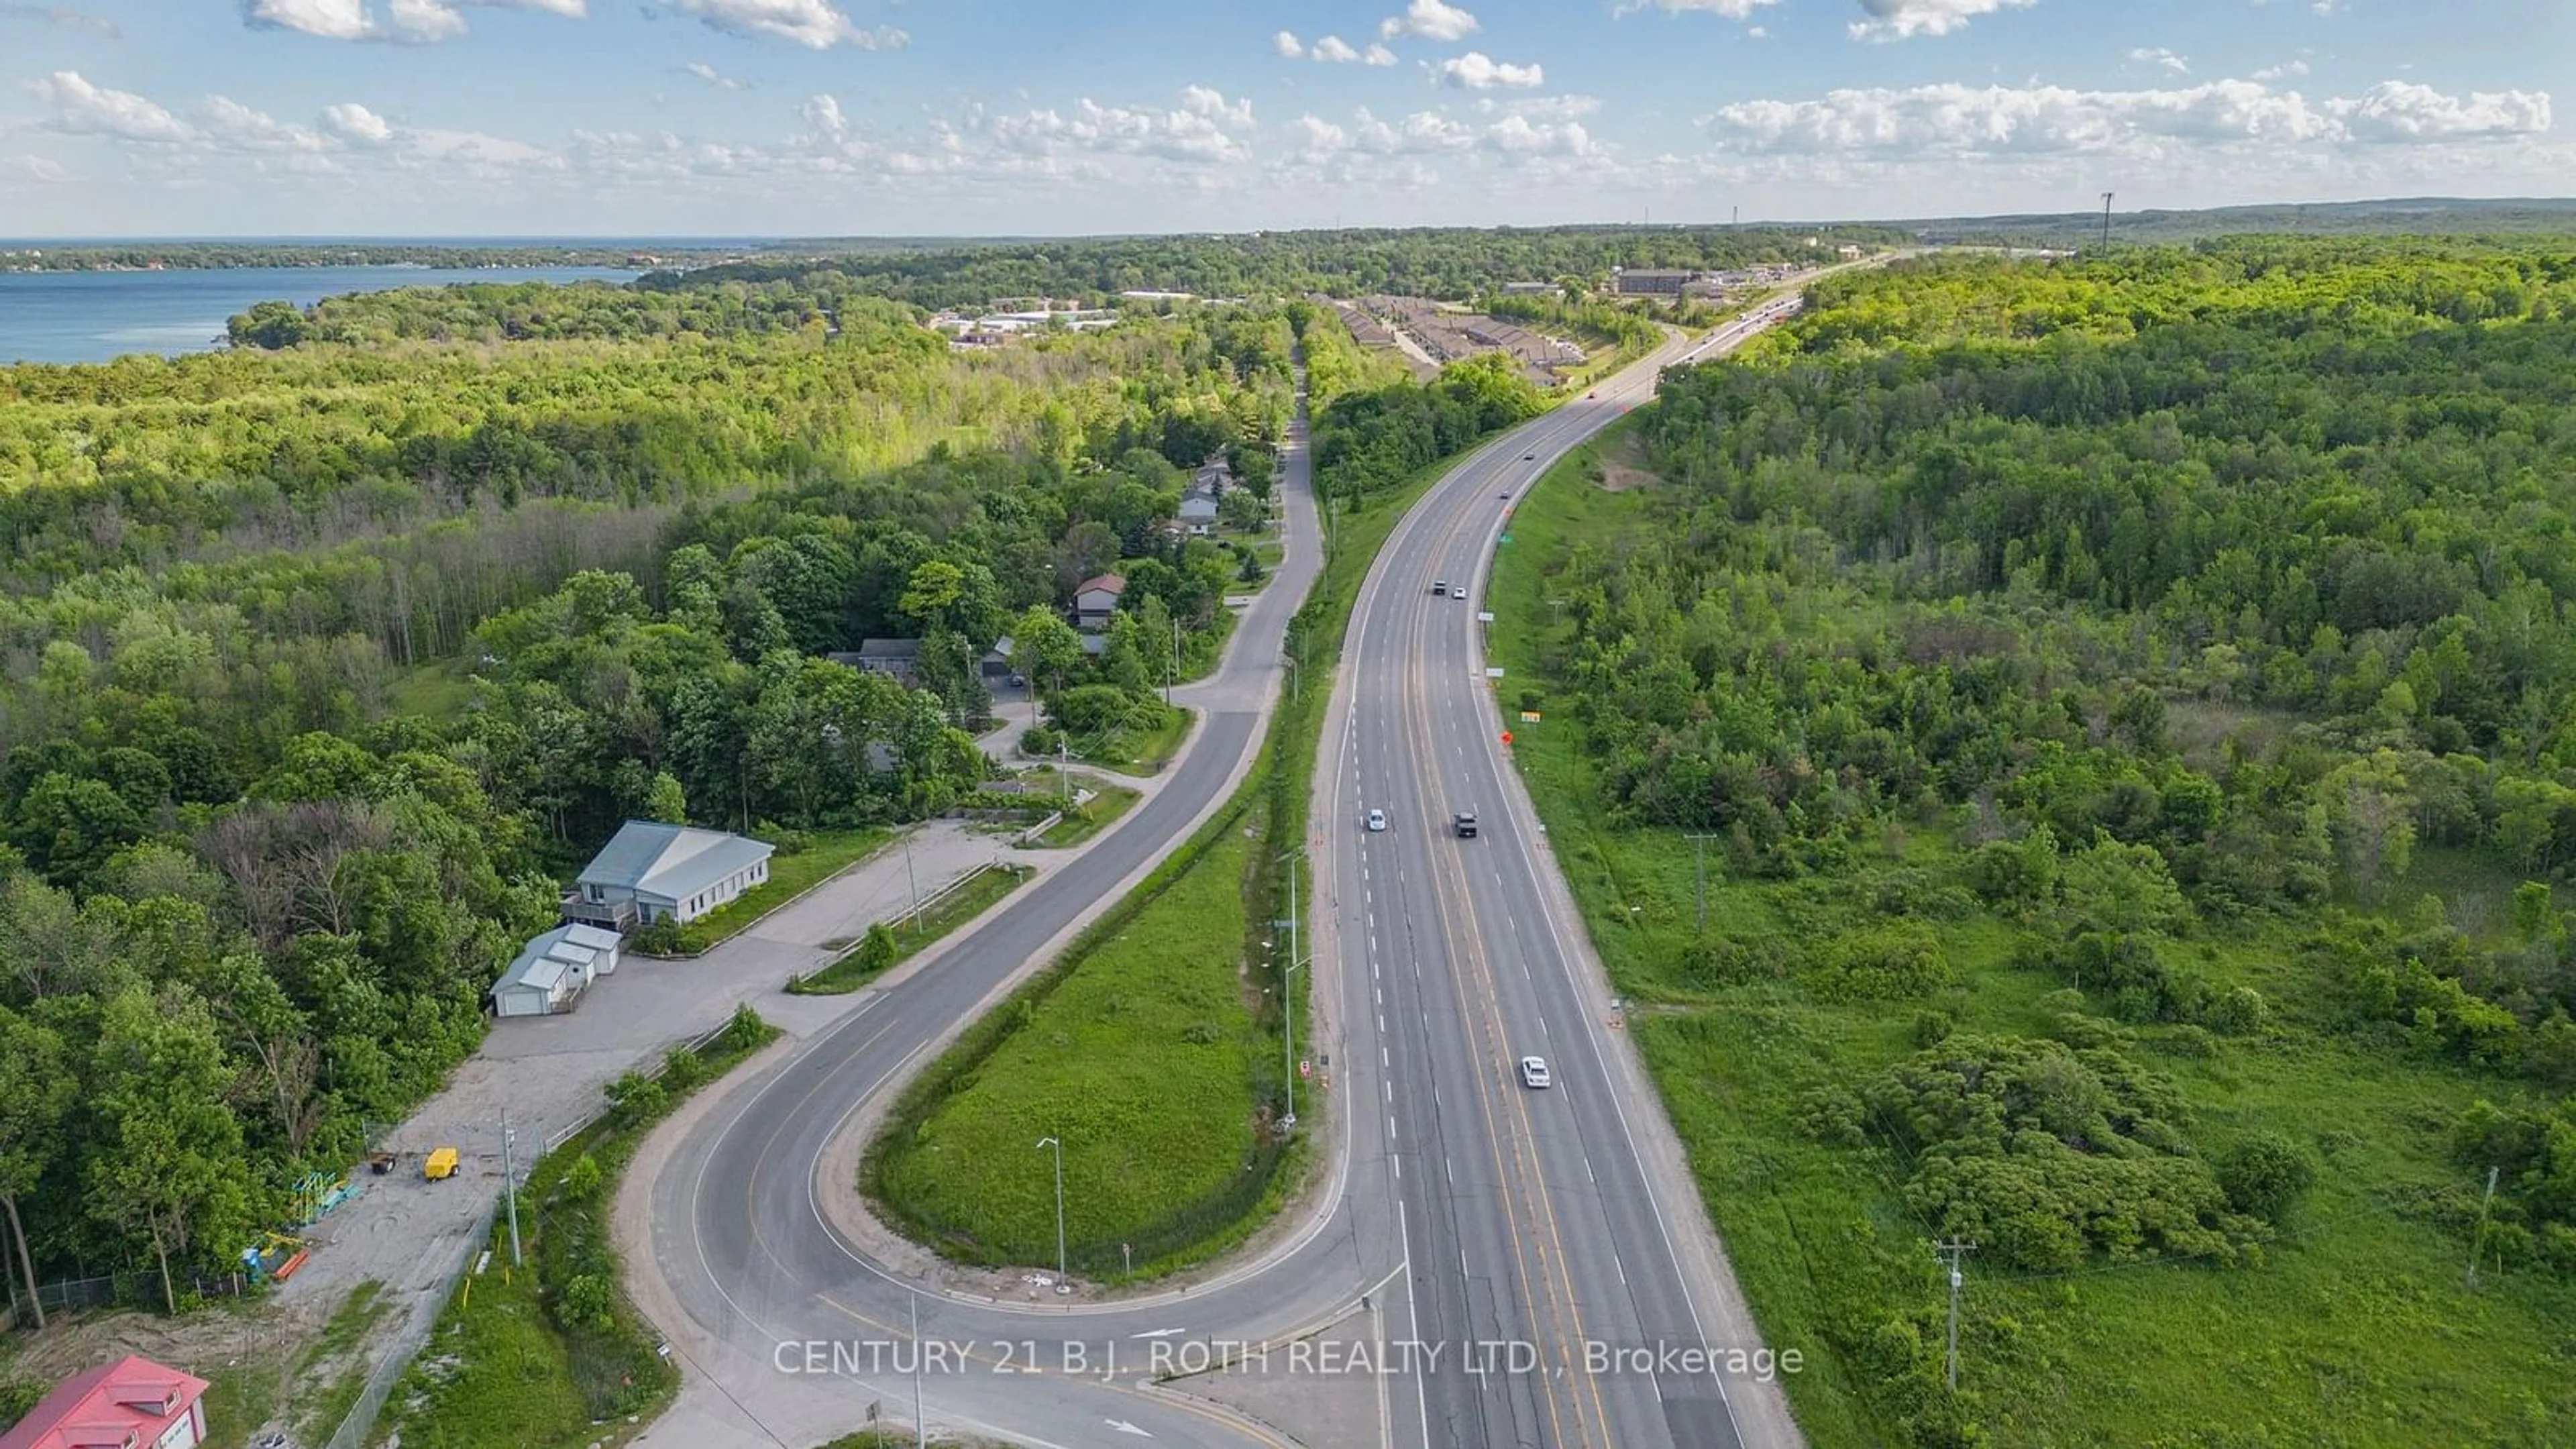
(1092,816)
(847,972)
(1125,1061)
(826,854)
(2354,1329)
(550,1355)
(1145,752)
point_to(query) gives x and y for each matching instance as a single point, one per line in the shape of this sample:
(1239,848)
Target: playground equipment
(273,1259)
(316,1193)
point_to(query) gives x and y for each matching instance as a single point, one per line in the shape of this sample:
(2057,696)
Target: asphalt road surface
(1530,1262)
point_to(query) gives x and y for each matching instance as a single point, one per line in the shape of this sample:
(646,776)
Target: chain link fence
(361,1420)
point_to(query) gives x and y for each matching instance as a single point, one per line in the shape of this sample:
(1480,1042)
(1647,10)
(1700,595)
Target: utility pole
(2478,1244)
(1702,841)
(920,1425)
(910,883)
(1063,769)
(1287,1008)
(1954,1250)
(1174,673)
(1061,1286)
(510,1186)
(2106,221)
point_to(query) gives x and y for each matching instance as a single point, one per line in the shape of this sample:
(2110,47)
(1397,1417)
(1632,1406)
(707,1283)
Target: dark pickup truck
(1466,822)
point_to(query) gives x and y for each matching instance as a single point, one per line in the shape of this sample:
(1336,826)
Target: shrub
(1881,964)
(2264,1176)
(2042,1154)
(581,1181)
(1711,962)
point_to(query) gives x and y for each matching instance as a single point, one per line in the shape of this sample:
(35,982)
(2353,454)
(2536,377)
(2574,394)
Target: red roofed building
(1096,600)
(133,1403)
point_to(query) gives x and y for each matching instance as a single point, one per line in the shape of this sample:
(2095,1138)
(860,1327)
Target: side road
(545,1075)
(725,1354)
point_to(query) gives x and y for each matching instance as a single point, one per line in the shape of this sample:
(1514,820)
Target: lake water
(95,316)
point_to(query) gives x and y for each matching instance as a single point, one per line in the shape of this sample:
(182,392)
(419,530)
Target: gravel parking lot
(546,1073)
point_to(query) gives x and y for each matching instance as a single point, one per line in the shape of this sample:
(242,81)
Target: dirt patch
(1622,465)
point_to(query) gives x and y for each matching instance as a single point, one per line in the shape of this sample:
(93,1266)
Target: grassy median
(1152,1046)
(888,945)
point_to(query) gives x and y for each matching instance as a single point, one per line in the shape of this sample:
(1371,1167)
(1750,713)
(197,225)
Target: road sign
(1493,671)
(1529,716)
(1507,737)
(1484,616)
(1305,1069)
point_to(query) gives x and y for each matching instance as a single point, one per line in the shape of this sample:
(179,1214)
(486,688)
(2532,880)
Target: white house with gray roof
(651,872)
(554,970)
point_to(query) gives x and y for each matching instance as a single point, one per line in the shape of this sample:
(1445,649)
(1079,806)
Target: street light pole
(920,1425)
(510,1186)
(1172,675)
(910,883)
(1061,1286)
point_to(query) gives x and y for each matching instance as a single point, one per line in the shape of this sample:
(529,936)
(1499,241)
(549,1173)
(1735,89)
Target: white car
(1377,820)
(1534,1072)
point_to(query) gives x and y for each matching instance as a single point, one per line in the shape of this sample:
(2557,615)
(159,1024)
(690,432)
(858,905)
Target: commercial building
(1648,282)
(650,872)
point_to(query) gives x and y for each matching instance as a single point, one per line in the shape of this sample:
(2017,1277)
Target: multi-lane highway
(1535,1258)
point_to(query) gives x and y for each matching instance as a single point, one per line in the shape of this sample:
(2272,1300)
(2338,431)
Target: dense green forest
(2395,216)
(2134,705)
(210,255)
(324,666)
(1447,263)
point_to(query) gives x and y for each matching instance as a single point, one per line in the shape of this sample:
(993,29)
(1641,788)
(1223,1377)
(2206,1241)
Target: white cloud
(1545,108)
(1205,129)
(1729,9)
(64,16)
(230,122)
(2402,111)
(333,19)
(405,20)
(2158,55)
(90,110)
(823,113)
(34,168)
(712,76)
(1431,20)
(2282,71)
(1957,120)
(1478,71)
(1331,49)
(814,24)
(356,123)
(1905,19)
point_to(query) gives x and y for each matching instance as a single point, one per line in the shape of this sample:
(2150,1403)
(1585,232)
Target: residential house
(555,969)
(133,1403)
(1199,510)
(996,662)
(896,659)
(651,872)
(1096,600)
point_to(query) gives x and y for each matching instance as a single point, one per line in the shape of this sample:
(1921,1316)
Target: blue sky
(809,117)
